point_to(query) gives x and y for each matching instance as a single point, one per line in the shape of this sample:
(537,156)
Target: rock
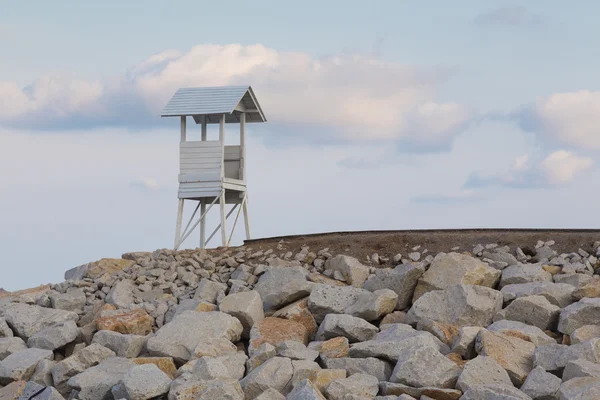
(298,311)
(270,394)
(353,271)
(5,330)
(482,371)
(592,289)
(128,346)
(98,268)
(464,343)
(21,364)
(373,306)
(513,354)
(323,377)
(165,364)
(531,310)
(260,355)
(27,320)
(305,390)
(402,280)
(48,393)
(209,290)
(179,338)
(397,317)
(235,363)
(559,294)
(414,256)
(143,382)
(523,331)
(95,383)
(353,328)
(362,385)
(43,373)
(275,331)
(325,299)
(453,269)
(458,305)
(584,333)
(334,348)
(302,370)
(585,312)
(214,347)
(296,351)
(121,294)
(398,389)
(54,336)
(580,389)
(541,385)
(279,287)
(580,368)
(501,257)
(370,366)
(524,273)
(72,300)
(13,390)
(494,392)
(79,362)
(274,373)
(194,389)
(136,322)
(444,332)
(11,345)
(424,366)
(573,279)
(245,306)
(209,368)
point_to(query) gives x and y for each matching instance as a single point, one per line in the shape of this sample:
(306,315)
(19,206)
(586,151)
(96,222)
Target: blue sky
(388,116)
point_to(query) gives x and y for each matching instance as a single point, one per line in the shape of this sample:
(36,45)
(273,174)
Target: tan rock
(214,347)
(34,292)
(136,322)
(13,390)
(513,354)
(323,377)
(456,359)
(335,348)
(107,265)
(320,278)
(396,317)
(592,289)
(275,331)
(205,306)
(445,332)
(165,364)
(552,269)
(298,311)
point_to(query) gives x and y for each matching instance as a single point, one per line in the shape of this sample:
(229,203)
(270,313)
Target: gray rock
(245,306)
(235,364)
(10,345)
(27,320)
(482,371)
(48,393)
(95,383)
(128,346)
(585,312)
(370,366)
(274,373)
(544,253)
(144,382)
(72,300)
(455,269)
(373,305)
(260,355)
(494,392)
(576,280)
(555,357)
(281,286)
(270,394)
(362,385)
(77,273)
(43,373)
(529,332)
(325,299)
(21,364)
(580,389)
(54,336)
(296,351)
(541,385)
(353,328)
(187,388)
(559,294)
(353,271)
(179,338)
(585,332)
(303,369)
(524,273)
(424,366)
(464,343)
(459,305)
(121,294)
(209,290)
(209,368)
(79,362)
(402,280)
(214,347)
(501,257)
(531,310)
(304,390)
(579,369)
(5,330)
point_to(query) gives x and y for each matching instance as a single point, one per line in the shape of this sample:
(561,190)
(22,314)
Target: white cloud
(335,98)
(145,183)
(562,166)
(572,118)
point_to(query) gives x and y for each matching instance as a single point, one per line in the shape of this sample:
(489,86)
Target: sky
(387,115)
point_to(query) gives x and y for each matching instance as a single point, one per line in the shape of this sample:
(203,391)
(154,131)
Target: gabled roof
(214,101)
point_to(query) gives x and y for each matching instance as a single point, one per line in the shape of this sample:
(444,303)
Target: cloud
(339,98)
(571,118)
(461,196)
(557,169)
(145,183)
(510,15)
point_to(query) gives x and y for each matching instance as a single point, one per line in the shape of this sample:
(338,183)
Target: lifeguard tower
(209,171)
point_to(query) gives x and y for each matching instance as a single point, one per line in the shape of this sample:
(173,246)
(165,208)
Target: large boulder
(135,322)
(128,346)
(142,382)
(494,392)
(98,268)
(280,286)
(27,320)
(523,331)
(274,373)
(482,371)
(55,336)
(121,294)
(95,383)
(524,273)
(559,294)
(275,331)
(555,357)
(371,366)
(453,269)
(585,332)
(531,310)
(459,305)
(246,307)
(353,328)
(585,312)
(352,270)
(11,345)
(298,311)
(580,368)
(360,385)
(587,388)
(591,289)
(73,300)
(79,362)
(21,364)
(424,366)
(179,338)
(305,390)
(541,385)
(402,280)
(208,290)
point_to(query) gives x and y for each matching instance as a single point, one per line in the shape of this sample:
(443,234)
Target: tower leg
(246,217)
(202,224)
(223,218)
(178,226)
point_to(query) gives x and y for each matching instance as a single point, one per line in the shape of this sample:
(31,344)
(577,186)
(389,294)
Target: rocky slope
(491,323)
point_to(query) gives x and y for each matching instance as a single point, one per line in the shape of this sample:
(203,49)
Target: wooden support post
(178,225)
(246,217)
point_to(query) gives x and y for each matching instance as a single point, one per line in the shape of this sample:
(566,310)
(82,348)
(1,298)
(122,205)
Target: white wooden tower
(209,171)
